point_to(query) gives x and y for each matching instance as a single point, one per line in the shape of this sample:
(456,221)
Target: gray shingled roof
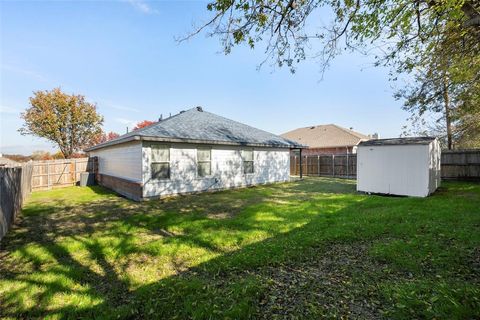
(397,141)
(198,126)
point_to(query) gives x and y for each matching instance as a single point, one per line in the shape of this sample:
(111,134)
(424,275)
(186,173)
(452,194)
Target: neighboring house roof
(5,162)
(198,126)
(325,136)
(398,141)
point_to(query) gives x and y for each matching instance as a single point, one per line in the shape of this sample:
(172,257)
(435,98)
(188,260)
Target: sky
(123,56)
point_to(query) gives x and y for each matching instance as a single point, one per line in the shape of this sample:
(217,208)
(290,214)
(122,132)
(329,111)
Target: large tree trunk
(446,100)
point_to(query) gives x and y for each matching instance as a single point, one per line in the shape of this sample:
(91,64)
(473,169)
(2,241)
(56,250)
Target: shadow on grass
(304,244)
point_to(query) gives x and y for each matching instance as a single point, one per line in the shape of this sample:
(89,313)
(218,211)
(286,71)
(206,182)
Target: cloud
(26,149)
(9,110)
(127,122)
(142,6)
(113,105)
(25,72)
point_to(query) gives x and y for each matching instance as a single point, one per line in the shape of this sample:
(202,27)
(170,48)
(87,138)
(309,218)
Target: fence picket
(325,165)
(59,173)
(455,164)
(15,186)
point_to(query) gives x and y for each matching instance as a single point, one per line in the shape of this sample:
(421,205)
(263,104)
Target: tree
(404,34)
(445,86)
(17,157)
(66,120)
(399,27)
(468,131)
(58,155)
(143,124)
(111,135)
(41,155)
(104,137)
(465,131)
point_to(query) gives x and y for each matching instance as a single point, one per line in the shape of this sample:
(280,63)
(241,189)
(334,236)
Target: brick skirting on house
(127,188)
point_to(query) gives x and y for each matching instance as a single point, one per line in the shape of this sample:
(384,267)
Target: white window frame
(244,161)
(204,161)
(160,146)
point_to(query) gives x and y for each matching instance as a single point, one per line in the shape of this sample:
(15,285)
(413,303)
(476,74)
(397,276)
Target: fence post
(48,174)
(347,164)
(301,169)
(333,165)
(72,172)
(318,165)
(75,171)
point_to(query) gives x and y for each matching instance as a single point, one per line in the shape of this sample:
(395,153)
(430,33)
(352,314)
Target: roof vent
(182,111)
(199,109)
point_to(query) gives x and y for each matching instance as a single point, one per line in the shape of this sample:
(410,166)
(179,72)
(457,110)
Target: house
(399,166)
(190,152)
(327,139)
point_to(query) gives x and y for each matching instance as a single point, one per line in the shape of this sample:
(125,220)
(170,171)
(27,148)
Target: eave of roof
(398,141)
(338,145)
(190,141)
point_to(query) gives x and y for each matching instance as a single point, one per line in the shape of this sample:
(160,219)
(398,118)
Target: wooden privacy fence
(455,165)
(461,164)
(329,165)
(50,174)
(15,185)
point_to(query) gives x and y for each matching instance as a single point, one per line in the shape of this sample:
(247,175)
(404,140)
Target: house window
(160,162)
(204,162)
(247,156)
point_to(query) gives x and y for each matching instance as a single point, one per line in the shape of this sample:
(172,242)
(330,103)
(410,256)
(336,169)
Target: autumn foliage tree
(104,137)
(444,94)
(432,44)
(69,121)
(143,124)
(290,31)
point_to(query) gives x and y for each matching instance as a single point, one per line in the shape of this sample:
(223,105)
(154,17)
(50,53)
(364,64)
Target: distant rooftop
(325,136)
(198,126)
(398,141)
(5,162)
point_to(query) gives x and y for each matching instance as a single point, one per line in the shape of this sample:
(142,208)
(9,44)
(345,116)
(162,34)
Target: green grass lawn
(305,249)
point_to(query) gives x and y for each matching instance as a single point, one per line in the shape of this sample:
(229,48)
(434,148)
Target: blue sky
(123,56)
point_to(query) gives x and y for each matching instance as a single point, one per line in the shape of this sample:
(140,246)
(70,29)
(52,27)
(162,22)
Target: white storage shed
(399,166)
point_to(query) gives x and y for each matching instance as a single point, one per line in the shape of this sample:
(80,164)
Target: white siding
(398,170)
(271,165)
(435,175)
(123,161)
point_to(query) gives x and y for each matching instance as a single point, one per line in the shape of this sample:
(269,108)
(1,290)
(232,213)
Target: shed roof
(198,126)
(398,141)
(325,136)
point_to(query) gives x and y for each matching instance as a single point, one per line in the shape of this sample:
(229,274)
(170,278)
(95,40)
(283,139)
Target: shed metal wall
(271,165)
(396,169)
(434,166)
